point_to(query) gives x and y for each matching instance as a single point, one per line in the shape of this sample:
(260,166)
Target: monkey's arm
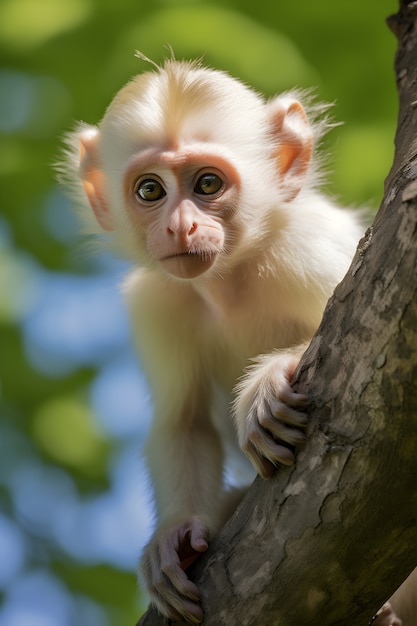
(184,451)
(185,460)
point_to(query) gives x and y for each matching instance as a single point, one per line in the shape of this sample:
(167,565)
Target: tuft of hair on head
(140,55)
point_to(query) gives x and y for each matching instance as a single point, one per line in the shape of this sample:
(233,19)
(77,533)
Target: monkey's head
(189,167)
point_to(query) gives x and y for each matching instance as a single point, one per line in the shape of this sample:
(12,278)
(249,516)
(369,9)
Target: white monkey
(212,192)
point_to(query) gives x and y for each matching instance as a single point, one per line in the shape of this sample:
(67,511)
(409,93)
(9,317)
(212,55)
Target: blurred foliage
(63,60)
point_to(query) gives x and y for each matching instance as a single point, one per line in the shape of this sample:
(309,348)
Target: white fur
(287,246)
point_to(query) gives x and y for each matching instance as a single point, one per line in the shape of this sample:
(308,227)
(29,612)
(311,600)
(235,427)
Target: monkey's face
(181,203)
(189,169)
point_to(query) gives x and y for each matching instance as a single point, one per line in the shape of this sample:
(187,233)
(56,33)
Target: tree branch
(328,541)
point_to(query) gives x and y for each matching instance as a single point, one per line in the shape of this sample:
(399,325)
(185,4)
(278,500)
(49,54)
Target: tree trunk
(328,541)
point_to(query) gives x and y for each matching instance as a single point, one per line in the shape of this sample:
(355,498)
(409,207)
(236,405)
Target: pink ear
(294,139)
(93,178)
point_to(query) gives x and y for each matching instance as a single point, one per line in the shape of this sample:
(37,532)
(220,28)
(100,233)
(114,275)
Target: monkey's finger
(287,414)
(292,398)
(168,599)
(260,444)
(264,467)
(165,609)
(280,433)
(270,449)
(186,608)
(173,574)
(192,612)
(199,535)
(276,425)
(177,609)
(179,580)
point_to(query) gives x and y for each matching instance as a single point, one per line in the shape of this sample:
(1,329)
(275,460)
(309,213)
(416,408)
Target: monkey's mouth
(189,264)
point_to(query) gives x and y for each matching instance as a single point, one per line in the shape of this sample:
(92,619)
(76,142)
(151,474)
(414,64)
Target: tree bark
(328,541)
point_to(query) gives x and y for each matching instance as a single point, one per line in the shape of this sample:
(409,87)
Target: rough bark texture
(328,541)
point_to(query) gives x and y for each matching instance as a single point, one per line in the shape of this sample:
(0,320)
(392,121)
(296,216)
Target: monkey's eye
(150,190)
(208,184)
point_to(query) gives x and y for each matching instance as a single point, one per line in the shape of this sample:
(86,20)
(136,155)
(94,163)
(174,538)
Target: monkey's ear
(93,178)
(294,140)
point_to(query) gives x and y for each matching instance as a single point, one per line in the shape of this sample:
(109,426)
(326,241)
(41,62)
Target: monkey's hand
(386,617)
(269,414)
(170,552)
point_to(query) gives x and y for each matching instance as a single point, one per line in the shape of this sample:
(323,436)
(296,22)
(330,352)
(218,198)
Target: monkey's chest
(239,339)
(235,347)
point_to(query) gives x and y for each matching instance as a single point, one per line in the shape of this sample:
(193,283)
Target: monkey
(212,191)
